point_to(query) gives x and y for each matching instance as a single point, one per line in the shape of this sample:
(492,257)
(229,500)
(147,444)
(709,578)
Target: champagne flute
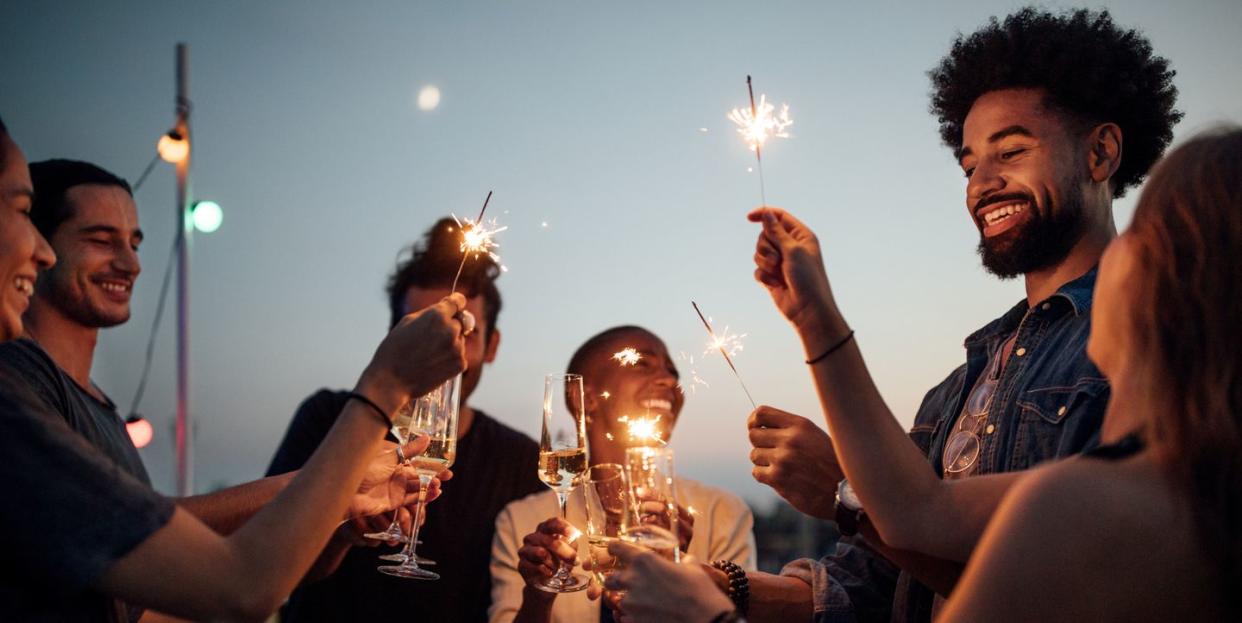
(396,486)
(435,415)
(653,499)
(606,493)
(563,458)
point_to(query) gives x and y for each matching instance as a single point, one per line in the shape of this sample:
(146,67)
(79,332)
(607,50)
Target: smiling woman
(23,252)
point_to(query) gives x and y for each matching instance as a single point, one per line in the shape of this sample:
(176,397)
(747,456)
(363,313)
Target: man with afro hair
(1051,116)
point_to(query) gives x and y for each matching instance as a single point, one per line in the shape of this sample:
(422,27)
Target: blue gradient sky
(584,115)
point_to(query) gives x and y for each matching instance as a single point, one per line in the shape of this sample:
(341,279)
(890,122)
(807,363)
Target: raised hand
(425,349)
(796,458)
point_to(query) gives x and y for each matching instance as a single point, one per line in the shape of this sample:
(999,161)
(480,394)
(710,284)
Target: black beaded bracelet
(831,349)
(739,584)
(371,403)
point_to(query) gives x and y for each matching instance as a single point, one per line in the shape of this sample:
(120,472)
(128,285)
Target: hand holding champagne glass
(653,498)
(608,515)
(396,487)
(563,458)
(435,416)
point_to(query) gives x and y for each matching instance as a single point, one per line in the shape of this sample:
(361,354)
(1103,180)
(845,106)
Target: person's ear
(1104,157)
(493,343)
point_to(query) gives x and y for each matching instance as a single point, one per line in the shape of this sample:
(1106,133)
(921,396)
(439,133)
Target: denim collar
(1077,294)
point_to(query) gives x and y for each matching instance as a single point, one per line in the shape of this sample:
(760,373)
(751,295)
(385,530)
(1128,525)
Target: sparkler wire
(723,352)
(754,114)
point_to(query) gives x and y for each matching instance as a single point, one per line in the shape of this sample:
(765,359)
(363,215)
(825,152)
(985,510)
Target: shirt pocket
(1058,421)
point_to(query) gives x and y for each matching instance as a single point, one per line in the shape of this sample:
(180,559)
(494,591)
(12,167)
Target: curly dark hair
(432,262)
(1088,67)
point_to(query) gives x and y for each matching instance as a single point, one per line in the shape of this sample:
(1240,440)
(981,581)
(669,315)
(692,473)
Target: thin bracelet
(831,349)
(371,403)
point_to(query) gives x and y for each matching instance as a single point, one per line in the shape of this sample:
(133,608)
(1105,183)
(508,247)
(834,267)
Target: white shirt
(722,530)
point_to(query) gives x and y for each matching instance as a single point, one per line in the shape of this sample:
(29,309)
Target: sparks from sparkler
(695,379)
(720,343)
(476,239)
(642,429)
(627,356)
(759,124)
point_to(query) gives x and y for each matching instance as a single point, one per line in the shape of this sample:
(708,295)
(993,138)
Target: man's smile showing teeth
(656,403)
(116,290)
(25,285)
(999,218)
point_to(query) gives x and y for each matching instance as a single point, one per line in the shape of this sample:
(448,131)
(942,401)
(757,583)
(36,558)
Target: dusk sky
(606,121)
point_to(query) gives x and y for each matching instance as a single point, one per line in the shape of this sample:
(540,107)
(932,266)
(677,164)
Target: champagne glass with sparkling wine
(563,458)
(653,498)
(434,415)
(396,486)
(606,493)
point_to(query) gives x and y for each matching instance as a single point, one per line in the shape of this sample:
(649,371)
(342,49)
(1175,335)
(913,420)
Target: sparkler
(627,356)
(759,124)
(476,238)
(725,344)
(643,428)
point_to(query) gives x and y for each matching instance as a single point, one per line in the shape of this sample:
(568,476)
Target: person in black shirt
(81,531)
(89,217)
(495,465)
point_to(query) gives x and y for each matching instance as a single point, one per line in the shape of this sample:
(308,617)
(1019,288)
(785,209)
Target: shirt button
(1046,306)
(1021,351)
(1061,411)
(990,429)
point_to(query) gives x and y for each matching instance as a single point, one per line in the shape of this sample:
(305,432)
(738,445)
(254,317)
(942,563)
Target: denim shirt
(1049,403)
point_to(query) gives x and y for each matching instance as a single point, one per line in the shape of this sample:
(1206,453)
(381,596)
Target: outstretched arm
(910,506)
(186,569)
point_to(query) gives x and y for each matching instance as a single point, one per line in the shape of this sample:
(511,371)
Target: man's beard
(1043,242)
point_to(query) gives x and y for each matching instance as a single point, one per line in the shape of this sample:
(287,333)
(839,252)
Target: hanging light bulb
(207,216)
(139,430)
(173,148)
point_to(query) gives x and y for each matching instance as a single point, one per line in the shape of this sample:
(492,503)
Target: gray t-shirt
(69,513)
(97,421)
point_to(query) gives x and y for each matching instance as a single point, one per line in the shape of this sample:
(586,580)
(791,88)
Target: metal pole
(185,445)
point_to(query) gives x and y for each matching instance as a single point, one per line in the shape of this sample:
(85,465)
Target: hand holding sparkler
(789,263)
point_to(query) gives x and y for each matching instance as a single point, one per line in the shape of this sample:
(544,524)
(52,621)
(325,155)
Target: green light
(207,216)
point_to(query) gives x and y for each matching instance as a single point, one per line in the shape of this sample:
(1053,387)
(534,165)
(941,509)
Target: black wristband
(831,349)
(371,403)
(739,586)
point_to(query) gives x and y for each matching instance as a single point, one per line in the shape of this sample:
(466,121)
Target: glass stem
(562,497)
(424,481)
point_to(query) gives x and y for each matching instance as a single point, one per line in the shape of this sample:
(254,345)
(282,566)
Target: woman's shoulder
(1082,493)
(1104,519)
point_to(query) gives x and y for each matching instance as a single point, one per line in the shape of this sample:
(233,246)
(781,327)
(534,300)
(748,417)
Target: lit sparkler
(643,429)
(725,344)
(627,356)
(477,238)
(759,124)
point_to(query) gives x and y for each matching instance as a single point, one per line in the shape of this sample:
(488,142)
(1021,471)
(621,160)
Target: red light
(139,431)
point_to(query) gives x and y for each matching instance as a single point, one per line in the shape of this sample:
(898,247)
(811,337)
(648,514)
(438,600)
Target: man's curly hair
(1087,66)
(433,261)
